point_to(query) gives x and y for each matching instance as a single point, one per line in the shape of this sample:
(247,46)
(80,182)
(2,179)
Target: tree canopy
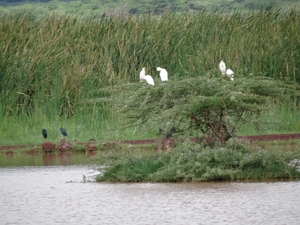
(207,106)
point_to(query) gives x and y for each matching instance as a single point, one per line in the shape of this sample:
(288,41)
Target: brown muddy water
(66,194)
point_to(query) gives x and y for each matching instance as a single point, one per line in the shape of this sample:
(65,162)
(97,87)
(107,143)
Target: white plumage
(162,73)
(142,74)
(230,74)
(147,78)
(222,67)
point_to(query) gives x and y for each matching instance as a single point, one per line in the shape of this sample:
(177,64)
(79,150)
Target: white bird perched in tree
(222,67)
(142,74)
(162,73)
(147,78)
(230,74)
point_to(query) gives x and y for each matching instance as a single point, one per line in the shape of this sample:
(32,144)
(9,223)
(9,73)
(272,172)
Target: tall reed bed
(56,66)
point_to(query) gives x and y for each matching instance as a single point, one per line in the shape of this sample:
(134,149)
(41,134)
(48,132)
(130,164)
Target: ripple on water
(58,195)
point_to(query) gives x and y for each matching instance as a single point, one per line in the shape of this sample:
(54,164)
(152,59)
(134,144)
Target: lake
(64,193)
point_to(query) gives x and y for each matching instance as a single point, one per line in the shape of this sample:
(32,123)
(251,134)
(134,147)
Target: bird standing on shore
(44,132)
(169,134)
(63,132)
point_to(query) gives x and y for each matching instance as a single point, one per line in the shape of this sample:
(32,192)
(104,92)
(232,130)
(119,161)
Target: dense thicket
(59,64)
(193,162)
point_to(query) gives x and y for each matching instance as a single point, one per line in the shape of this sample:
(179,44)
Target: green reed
(54,67)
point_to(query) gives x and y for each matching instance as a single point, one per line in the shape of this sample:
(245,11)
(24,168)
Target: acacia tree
(213,106)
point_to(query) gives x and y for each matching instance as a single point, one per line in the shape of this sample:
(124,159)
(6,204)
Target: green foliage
(194,162)
(211,105)
(273,120)
(59,62)
(55,67)
(131,168)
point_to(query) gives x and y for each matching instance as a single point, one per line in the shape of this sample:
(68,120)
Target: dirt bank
(254,138)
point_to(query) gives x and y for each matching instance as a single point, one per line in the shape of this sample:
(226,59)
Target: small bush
(193,162)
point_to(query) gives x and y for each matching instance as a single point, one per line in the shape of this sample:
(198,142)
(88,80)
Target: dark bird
(44,132)
(169,134)
(63,132)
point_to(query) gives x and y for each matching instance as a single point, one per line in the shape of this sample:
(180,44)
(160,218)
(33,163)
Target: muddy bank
(254,138)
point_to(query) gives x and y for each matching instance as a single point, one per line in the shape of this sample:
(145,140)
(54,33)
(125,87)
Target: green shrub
(193,162)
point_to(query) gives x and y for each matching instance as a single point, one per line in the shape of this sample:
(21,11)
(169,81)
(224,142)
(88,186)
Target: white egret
(230,74)
(147,78)
(142,74)
(162,73)
(222,67)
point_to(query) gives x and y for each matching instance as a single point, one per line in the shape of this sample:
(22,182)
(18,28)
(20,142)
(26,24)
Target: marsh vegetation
(54,69)
(64,71)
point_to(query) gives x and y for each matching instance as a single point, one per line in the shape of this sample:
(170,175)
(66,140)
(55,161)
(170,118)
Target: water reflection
(58,195)
(65,158)
(48,159)
(43,159)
